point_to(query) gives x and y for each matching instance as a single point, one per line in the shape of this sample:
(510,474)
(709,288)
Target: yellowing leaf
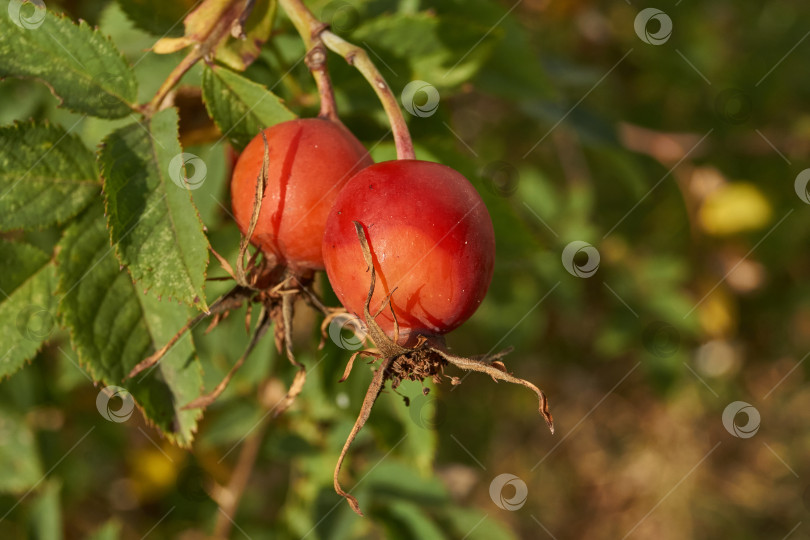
(170,45)
(205,17)
(238,53)
(734,208)
(209,24)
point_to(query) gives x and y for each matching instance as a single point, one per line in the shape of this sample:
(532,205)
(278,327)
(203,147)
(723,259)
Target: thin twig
(231,495)
(196,54)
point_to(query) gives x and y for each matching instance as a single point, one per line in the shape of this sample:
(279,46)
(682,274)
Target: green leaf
(80,65)
(27,305)
(20,466)
(443,52)
(153,222)
(407,520)
(45,518)
(474,525)
(240,107)
(18,261)
(47,176)
(505,73)
(420,419)
(396,480)
(109,531)
(113,326)
(239,53)
(158,17)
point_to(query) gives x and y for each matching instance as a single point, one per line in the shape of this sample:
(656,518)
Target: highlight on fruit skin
(432,244)
(310,160)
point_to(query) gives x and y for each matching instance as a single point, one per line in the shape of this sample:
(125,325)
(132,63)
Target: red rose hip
(431,239)
(310,160)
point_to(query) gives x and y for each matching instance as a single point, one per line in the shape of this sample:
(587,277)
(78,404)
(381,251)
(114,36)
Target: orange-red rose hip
(431,239)
(310,161)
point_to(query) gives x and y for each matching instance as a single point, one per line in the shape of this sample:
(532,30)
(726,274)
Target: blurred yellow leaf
(614,250)
(718,314)
(154,471)
(734,208)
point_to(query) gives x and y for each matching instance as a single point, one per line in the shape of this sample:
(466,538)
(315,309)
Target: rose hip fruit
(431,239)
(310,160)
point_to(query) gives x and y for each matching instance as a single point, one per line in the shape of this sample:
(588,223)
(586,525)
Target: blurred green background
(673,158)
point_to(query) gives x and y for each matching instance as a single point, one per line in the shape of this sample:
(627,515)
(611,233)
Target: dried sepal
(350,363)
(387,347)
(500,373)
(204,401)
(374,390)
(287,303)
(261,185)
(224,263)
(295,389)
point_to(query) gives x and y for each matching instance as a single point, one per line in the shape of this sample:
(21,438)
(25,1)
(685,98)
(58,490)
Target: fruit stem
(195,54)
(358,57)
(312,30)
(316,61)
